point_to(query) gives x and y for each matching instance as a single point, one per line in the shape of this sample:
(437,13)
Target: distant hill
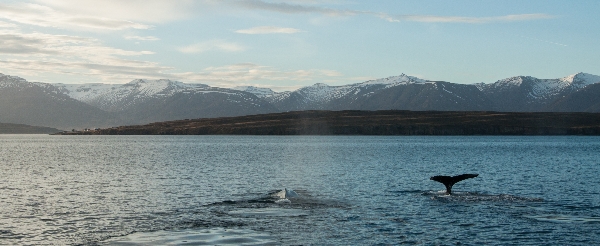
(144,101)
(515,94)
(41,104)
(7,128)
(390,122)
(583,100)
(79,106)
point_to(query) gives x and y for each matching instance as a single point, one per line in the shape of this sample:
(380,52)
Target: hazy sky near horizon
(288,44)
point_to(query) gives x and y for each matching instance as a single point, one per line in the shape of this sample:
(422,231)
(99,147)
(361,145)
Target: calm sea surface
(354,190)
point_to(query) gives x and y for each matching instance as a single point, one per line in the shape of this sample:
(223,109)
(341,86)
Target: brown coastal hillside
(390,122)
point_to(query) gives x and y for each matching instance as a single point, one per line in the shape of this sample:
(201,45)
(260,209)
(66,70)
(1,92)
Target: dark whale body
(449,181)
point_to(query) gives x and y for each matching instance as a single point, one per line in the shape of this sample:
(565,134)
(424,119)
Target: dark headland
(388,122)
(8,128)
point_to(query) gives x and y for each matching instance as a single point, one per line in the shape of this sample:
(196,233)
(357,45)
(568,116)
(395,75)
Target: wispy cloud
(108,72)
(142,38)
(463,19)
(545,41)
(24,45)
(218,45)
(250,73)
(268,30)
(44,16)
(293,8)
(40,44)
(7,25)
(38,53)
(303,9)
(145,11)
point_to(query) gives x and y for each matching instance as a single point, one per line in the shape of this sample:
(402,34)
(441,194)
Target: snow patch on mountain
(545,88)
(258,91)
(84,92)
(323,93)
(161,87)
(10,81)
(113,97)
(448,91)
(138,88)
(20,84)
(394,80)
(116,97)
(542,88)
(580,80)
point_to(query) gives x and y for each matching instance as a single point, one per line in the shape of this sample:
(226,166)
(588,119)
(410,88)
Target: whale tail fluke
(285,194)
(290,193)
(449,181)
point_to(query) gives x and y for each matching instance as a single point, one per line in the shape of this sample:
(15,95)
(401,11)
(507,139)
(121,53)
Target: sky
(285,45)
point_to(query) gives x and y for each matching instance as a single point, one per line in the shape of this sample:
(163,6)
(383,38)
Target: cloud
(103,23)
(38,53)
(7,25)
(19,44)
(147,11)
(268,30)
(122,71)
(294,8)
(545,41)
(77,59)
(83,71)
(331,73)
(307,9)
(40,44)
(462,19)
(253,74)
(219,45)
(44,16)
(146,38)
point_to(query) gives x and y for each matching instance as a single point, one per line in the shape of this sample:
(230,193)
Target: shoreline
(385,122)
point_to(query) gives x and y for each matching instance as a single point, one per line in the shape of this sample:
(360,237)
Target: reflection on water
(213,236)
(478,197)
(280,212)
(352,190)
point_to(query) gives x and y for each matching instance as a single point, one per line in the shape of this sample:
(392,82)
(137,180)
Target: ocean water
(353,190)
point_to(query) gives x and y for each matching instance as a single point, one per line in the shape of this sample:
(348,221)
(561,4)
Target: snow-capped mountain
(43,104)
(581,80)
(396,92)
(113,98)
(519,93)
(259,92)
(394,80)
(320,96)
(526,93)
(543,88)
(143,101)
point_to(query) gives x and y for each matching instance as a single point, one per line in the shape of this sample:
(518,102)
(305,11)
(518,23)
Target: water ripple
(79,190)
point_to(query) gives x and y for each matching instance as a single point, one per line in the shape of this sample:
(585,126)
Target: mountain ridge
(141,101)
